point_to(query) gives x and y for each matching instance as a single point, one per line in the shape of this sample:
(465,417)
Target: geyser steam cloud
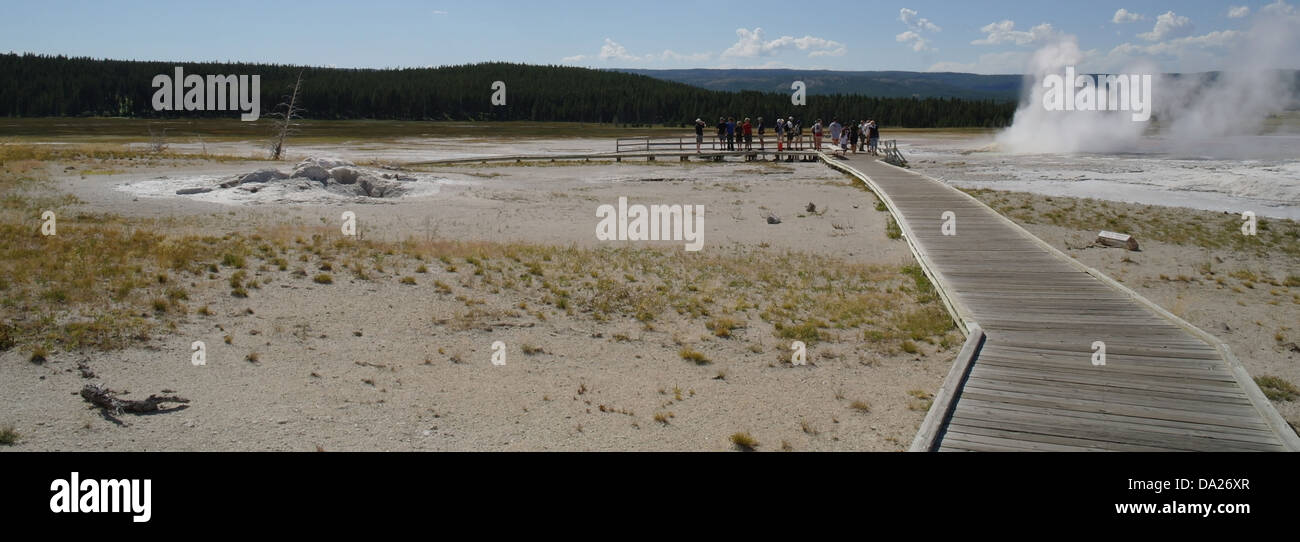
(1190,110)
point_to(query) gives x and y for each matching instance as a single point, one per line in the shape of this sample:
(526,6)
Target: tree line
(58,86)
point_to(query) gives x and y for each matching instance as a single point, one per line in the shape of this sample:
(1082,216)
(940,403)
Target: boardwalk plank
(1032,386)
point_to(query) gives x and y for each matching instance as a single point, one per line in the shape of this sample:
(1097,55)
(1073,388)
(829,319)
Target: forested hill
(42,86)
(896,84)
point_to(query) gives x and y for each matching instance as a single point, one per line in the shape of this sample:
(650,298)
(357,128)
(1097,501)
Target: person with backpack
(836,131)
(780,131)
(817,134)
(722,133)
(699,134)
(855,131)
(760,134)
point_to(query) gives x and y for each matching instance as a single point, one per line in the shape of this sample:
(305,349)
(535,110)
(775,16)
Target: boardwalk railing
(890,153)
(931,432)
(766,143)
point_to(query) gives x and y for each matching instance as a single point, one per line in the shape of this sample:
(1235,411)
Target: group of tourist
(853,137)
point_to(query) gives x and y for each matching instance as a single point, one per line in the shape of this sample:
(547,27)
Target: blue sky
(920,35)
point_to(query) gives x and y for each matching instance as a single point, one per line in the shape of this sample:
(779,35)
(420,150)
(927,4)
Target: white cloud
(751,45)
(1279,7)
(910,18)
(612,50)
(439,12)
(1237,12)
(917,42)
(1168,25)
(916,25)
(1186,54)
(1126,16)
(1004,31)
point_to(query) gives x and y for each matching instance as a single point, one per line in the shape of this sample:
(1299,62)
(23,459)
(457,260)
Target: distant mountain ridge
(886,84)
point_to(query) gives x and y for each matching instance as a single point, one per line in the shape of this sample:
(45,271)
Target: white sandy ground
(1261,174)
(533,402)
(319,383)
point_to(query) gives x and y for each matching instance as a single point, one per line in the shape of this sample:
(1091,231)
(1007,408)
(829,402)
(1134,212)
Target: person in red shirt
(748,130)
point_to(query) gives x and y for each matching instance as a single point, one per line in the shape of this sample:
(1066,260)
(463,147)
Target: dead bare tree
(285,113)
(157,140)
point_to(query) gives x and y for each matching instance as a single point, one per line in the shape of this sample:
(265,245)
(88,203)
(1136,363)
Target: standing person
(798,133)
(874,136)
(760,134)
(855,132)
(789,137)
(748,130)
(836,131)
(817,134)
(699,134)
(731,133)
(722,133)
(780,131)
(866,130)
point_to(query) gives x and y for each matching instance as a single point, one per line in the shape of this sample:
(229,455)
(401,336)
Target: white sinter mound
(315,179)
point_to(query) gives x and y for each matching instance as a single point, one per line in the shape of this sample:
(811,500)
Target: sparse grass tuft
(722,326)
(1277,389)
(860,406)
(892,229)
(694,356)
(323,278)
(744,441)
(9,435)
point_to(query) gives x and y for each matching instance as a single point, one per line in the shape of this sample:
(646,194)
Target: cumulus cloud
(1168,25)
(915,22)
(1279,8)
(752,45)
(1237,12)
(1004,31)
(1126,16)
(916,26)
(615,51)
(917,42)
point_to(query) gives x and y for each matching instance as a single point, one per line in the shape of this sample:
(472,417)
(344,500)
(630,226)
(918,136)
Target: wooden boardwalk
(651,155)
(1028,381)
